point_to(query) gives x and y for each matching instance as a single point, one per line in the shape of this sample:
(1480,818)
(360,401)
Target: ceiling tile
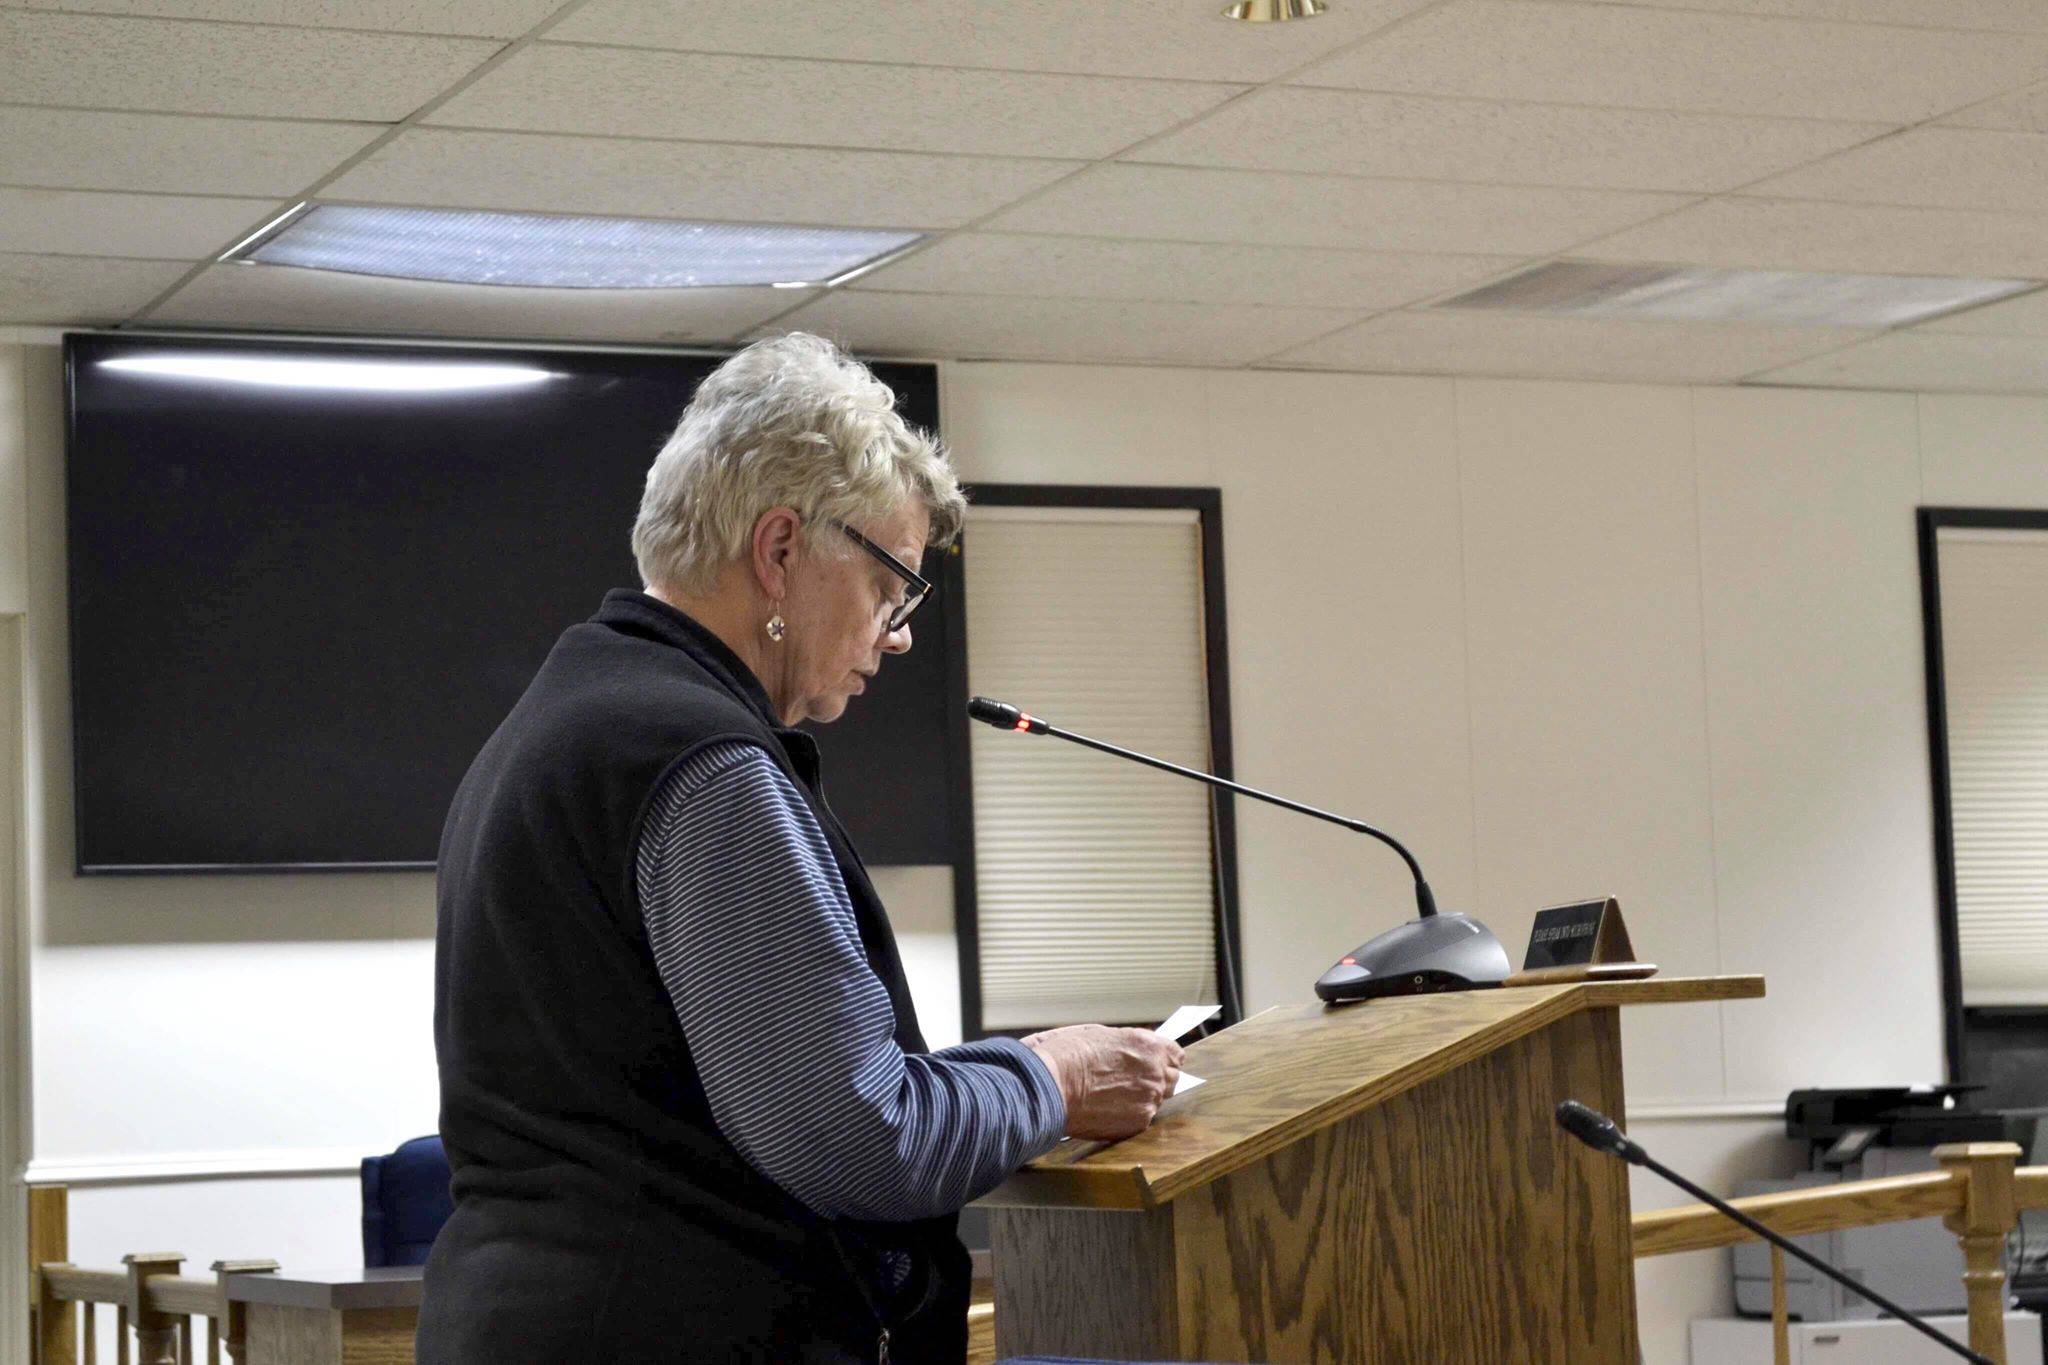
(1559,348)
(2008,16)
(1657,59)
(2025,316)
(625,92)
(1188,39)
(156,226)
(1355,132)
(1187,272)
(170,153)
(324,301)
(972,327)
(1170,203)
(1956,168)
(1916,359)
(2024,111)
(1788,234)
(485,18)
(690,179)
(79,289)
(103,62)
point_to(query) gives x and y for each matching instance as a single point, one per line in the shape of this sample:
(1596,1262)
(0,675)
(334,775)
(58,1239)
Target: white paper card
(1186,1020)
(1179,1025)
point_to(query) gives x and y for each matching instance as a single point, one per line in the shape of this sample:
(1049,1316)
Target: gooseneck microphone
(1006,717)
(1599,1132)
(1429,953)
(1602,1134)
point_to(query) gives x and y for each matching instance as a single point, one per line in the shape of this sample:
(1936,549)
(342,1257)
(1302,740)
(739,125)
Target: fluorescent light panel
(557,252)
(1786,298)
(361,376)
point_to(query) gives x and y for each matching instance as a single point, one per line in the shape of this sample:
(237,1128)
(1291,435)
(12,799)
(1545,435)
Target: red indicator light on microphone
(1347,961)
(1023,723)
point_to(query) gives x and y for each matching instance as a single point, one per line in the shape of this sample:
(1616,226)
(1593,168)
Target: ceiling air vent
(1685,293)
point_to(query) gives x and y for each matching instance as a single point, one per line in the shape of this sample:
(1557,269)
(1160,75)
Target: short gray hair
(793,422)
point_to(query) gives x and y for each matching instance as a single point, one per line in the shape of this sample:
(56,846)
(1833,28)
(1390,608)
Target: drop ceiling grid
(1653,239)
(1543,347)
(182,66)
(471,18)
(2025,316)
(1031,265)
(1001,187)
(1993,16)
(1568,51)
(1168,39)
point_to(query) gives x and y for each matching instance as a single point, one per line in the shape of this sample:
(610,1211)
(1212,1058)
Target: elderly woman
(689,1110)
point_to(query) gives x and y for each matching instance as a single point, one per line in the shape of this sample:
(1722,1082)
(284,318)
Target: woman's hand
(1113,1079)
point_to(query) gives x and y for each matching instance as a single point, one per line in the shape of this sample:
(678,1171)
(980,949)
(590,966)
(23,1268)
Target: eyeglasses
(918,586)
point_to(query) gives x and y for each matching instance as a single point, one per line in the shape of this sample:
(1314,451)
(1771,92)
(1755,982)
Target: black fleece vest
(600,1215)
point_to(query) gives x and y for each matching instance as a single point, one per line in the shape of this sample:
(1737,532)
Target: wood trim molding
(1704,1110)
(139,1168)
(1864,1203)
(151,1168)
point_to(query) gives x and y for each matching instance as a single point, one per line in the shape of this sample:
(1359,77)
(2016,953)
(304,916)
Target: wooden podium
(1374,1182)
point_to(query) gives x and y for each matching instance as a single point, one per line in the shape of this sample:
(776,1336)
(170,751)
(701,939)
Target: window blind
(1994,643)
(1094,876)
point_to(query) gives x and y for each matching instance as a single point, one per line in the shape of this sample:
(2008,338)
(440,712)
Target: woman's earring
(777,627)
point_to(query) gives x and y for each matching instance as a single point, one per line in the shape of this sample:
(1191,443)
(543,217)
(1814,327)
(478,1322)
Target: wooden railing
(159,1312)
(154,1305)
(1978,1194)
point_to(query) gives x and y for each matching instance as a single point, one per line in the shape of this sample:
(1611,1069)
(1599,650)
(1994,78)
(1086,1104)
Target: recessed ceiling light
(1786,298)
(1274,11)
(462,246)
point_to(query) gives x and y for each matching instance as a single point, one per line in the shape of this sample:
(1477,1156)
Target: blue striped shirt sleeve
(792,1033)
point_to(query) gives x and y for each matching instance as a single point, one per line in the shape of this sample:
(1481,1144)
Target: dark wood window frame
(1931,520)
(1207,504)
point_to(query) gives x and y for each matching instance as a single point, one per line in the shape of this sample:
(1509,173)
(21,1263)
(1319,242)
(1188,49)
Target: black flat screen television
(307,580)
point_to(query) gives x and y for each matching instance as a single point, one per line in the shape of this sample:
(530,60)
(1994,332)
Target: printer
(1862,1134)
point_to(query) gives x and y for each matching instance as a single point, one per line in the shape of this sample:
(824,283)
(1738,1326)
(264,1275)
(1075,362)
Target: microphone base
(1422,957)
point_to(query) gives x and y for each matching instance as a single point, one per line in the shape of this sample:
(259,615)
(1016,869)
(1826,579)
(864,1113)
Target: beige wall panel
(1340,511)
(1719,1153)
(1822,817)
(302,1222)
(306,1221)
(1981,451)
(300,1005)
(920,901)
(1588,710)
(1077,424)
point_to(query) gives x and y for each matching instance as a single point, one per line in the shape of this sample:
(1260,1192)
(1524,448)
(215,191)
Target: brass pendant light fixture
(1274,11)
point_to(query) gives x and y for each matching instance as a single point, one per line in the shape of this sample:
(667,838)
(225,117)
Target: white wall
(1575,639)
(1570,638)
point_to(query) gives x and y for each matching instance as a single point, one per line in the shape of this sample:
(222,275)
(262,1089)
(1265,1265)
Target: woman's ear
(778,541)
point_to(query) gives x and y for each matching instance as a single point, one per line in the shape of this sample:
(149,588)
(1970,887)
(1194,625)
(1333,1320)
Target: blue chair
(405,1202)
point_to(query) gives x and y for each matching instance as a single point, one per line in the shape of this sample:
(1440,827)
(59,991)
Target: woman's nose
(896,641)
